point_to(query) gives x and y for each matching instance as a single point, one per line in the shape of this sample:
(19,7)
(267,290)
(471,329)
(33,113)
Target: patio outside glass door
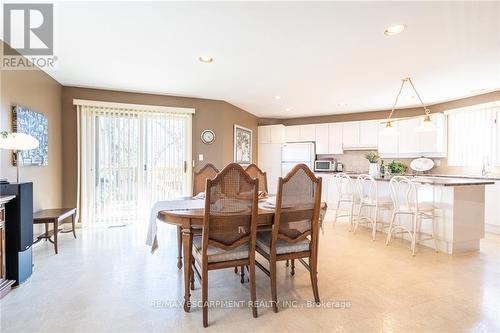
(134,159)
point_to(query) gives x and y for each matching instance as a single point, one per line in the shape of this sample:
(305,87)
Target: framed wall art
(242,141)
(35,124)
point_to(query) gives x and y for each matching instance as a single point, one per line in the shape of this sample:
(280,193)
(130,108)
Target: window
(130,157)
(474,135)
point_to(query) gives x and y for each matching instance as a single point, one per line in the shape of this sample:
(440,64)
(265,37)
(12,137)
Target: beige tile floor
(107,281)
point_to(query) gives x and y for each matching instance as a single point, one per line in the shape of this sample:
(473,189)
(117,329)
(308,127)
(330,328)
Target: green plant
(372,156)
(4,134)
(397,167)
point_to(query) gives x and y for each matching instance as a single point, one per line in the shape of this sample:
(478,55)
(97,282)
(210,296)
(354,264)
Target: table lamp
(17,142)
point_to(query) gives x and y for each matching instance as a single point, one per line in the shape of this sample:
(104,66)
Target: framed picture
(35,124)
(242,142)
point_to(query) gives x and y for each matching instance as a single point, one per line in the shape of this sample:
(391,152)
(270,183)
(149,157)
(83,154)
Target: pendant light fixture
(426,126)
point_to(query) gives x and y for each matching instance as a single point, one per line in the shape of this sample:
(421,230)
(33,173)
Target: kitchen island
(459,202)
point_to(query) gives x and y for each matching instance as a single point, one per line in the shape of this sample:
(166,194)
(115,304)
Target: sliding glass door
(133,160)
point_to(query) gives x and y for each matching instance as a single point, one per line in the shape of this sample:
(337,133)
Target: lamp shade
(426,125)
(18,141)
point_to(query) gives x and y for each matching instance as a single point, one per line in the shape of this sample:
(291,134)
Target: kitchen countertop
(437,180)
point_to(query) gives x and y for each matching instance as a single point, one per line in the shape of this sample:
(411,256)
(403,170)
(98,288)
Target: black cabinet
(18,231)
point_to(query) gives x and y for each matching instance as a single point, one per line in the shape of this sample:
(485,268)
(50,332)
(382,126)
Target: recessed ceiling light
(277,97)
(394,30)
(205,59)
(288,109)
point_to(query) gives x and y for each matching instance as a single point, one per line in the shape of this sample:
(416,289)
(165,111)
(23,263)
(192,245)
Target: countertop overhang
(438,180)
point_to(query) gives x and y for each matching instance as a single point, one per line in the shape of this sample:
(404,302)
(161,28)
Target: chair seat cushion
(216,254)
(282,247)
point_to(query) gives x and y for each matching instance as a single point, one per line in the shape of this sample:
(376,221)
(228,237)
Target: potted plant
(373,158)
(397,168)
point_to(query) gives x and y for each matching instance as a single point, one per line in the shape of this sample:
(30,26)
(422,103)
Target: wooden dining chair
(229,229)
(208,171)
(255,172)
(295,230)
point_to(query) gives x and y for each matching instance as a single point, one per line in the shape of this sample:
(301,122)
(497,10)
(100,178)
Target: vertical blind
(474,135)
(129,159)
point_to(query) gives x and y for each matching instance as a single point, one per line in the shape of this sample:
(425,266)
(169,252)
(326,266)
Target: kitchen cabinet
(307,132)
(292,133)
(322,139)
(335,138)
(359,135)
(368,133)
(270,162)
(264,133)
(324,185)
(271,134)
(300,133)
(350,132)
(329,192)
(492,208)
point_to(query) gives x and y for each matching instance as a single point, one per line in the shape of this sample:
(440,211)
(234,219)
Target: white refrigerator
(296,153)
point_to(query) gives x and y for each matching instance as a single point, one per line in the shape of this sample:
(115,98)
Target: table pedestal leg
(187,243)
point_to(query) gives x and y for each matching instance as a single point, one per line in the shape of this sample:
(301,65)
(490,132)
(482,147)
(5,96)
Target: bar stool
(404,197)
(368,198)
(346,194)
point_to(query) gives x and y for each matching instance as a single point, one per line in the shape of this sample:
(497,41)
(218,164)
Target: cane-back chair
(229,228)
(208,171)
(295,230)
(255,172)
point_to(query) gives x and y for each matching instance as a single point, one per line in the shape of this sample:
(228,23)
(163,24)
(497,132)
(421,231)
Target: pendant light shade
(389,129)
(426,125)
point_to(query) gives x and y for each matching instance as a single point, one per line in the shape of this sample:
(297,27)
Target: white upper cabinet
(292,133)
(368,133)
(360,134)
(322,139)
(272,134)
(264,134)
(335,138)
(300,133)
(307,132)
(277,133)
(350,134)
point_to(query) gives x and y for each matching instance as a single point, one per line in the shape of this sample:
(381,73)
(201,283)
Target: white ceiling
(316,56)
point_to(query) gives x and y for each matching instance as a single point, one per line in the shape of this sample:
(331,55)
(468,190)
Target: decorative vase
(373,170)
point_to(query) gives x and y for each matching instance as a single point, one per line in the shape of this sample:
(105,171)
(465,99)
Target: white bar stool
(368,198)
(404,197)
(346,194)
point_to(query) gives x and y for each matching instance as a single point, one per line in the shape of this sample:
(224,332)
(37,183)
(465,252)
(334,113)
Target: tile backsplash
(355,161)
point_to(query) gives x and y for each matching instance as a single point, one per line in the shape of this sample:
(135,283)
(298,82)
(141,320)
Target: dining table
(191,220)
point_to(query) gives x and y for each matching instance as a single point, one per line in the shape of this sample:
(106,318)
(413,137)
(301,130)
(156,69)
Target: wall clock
(208,136)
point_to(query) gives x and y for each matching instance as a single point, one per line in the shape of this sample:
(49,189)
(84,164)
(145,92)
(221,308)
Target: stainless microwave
(324,165)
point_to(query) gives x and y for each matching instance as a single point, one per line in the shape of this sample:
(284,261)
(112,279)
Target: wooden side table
(54,216)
